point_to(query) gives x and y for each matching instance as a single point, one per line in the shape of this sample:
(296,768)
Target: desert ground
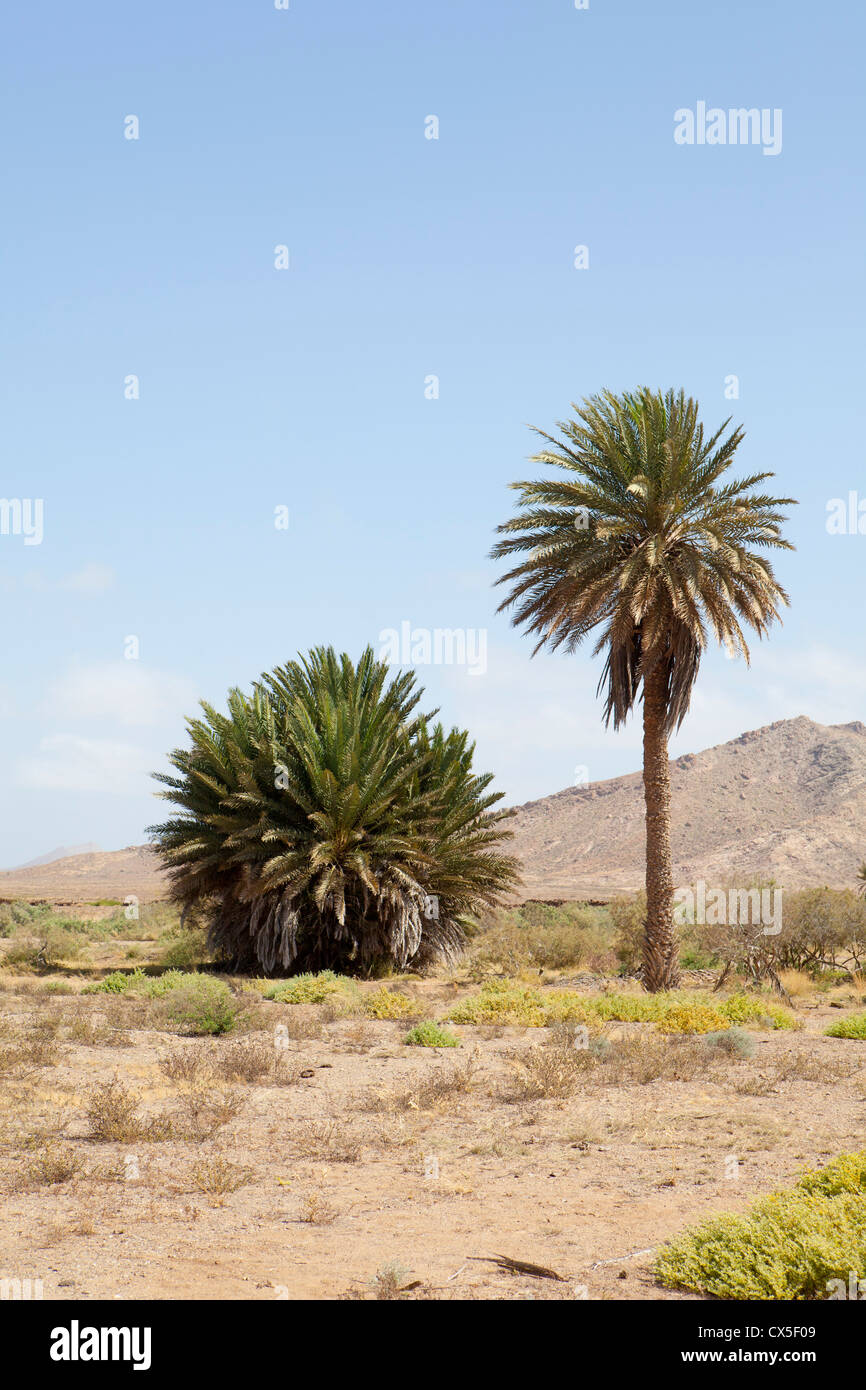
(310,1152)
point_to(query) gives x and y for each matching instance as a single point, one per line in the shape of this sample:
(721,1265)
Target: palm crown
(644,539)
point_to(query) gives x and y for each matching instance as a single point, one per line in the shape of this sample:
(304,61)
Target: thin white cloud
(127,693)
(67,762)
(91,579)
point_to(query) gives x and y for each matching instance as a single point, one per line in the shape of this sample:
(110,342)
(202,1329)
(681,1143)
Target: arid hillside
(787,801)
(84,878)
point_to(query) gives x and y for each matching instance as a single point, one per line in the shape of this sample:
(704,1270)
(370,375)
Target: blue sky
(408,258)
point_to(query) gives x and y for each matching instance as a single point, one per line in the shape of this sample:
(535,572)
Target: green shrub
(430,1034)
(118,982)
(183,950)
(786,1246)
(695,956)
(21,914)
(628,916)
(390,1003)
(674,1012)
(310,989)
(138,983)
(54,944)
(822,927)
(853,1026)
(195,1004)
(201,1005)
(750,1008)
(734,1041)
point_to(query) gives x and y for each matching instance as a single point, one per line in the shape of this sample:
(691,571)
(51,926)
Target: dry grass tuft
(52,1164)
(188,1066)
(429,1092)
(329,1140)
(316,1210)
(218,1176)
(202,1112)
(115,1119)
(256,1061)
(113,1113)
(544,1073)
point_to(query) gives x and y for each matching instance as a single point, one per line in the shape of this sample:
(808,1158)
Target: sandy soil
(358,1167)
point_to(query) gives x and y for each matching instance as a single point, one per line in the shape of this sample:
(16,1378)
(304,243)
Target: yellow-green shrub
(499,1003)
(389,1003)
(847,1173)
(692,1018)
(311,989)
(786,1246)
(674,1012)
(746,1008)
(854,1026)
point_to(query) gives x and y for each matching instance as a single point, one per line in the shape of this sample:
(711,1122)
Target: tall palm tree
(644,541)
(325,823)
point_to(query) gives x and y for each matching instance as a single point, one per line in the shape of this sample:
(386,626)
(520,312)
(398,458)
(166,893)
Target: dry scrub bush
(115,1119)
(539,936)
(218,1176)
(543,1073)
(357,1037)
(189,1066)
(800,1065)
(29,1054)
(250,1062)
(430,1092)
(328,1140)
(316,1210)
(55,1163)
(256,1061)
(201,1112)
(642,1060)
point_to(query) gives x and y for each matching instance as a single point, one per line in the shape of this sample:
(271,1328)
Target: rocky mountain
(787,801)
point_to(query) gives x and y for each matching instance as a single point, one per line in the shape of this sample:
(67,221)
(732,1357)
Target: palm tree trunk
(660,954)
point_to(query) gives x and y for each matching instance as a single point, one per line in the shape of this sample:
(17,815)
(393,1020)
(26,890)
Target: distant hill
(786,802)
(64,852)
(87,877)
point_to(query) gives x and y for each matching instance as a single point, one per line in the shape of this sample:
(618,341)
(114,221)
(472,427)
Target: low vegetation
(312,988)
(674,1012)
(853,1026)
(548,1058)
(792,1244)
(191,1003)
(430,1034)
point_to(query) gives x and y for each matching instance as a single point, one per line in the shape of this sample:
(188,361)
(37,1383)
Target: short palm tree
(325,824)
(642,542)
